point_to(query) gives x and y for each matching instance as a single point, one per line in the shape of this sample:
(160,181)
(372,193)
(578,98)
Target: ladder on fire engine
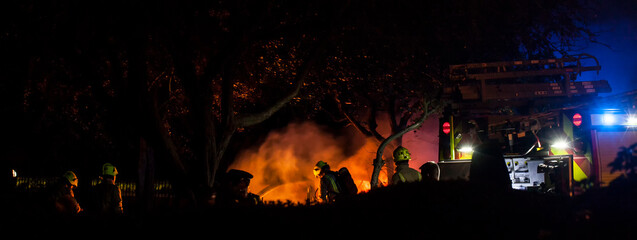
(469,75)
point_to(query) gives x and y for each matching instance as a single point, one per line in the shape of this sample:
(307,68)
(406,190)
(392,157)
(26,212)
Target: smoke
(282,165)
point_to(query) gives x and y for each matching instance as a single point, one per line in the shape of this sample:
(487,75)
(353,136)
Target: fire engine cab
(558,134)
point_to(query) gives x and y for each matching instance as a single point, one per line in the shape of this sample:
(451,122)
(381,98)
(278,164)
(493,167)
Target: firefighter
(329,188)
(404,173)
(234,190)
(430,172)
(488,168)
(63,197)
(108,194)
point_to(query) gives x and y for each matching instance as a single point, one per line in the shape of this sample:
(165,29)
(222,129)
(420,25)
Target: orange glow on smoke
(282,165)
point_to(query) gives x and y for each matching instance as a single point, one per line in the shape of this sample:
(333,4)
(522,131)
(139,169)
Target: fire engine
(557,134)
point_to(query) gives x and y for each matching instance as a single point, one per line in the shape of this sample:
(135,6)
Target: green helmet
(401,154)
(71,177)
(109,170)
(318,167)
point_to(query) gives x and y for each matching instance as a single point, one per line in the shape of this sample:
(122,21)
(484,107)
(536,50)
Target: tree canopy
(86,81)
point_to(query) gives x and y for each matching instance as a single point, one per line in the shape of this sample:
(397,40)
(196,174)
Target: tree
(182,77)
(233,77)
(221,67)
(392,57)
(626,162)
(185,77)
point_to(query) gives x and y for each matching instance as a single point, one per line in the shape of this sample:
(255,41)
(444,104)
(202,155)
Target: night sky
(617,29)
(167,128)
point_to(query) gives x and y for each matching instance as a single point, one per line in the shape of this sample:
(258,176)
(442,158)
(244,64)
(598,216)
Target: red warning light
(577,119)
(446,128)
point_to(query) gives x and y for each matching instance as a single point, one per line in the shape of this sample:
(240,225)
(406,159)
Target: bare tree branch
(428,109)
(252,119)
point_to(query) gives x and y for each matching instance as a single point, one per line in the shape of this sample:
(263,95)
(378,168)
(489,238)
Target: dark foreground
(444,210)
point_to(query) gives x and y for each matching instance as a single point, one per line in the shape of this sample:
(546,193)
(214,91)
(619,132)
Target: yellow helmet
(109,170)
(71,177)
(318,167)
(401,154)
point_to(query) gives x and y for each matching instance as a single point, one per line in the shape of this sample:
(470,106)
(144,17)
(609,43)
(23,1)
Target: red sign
(577,119)
(446,127)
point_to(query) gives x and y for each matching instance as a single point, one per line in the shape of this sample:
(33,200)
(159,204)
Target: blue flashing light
(611,119)
(631,120)
(608,119)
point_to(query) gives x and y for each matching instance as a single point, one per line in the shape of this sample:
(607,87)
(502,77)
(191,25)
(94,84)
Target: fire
(360,166)
(282,165)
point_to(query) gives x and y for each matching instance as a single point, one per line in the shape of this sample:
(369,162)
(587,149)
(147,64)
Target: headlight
(560,144)
(466,149)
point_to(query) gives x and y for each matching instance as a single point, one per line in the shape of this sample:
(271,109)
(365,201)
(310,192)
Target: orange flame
(282,165)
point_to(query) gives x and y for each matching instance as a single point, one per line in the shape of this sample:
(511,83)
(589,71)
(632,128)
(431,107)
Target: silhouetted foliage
(90,82)
(626,162)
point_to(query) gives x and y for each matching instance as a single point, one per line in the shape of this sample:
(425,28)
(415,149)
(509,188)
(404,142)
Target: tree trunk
(146,176)
(391,167)
(379,162)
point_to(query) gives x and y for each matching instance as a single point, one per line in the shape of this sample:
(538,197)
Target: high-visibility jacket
(329,187)
(405,174)
(64,200)
(109,199)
